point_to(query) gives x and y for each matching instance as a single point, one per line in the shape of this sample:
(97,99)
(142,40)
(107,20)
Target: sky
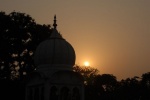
(112,35)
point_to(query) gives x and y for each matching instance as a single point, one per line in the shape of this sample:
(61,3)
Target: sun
(86,63)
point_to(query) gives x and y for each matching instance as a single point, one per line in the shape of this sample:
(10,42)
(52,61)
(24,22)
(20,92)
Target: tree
(129,89)
(20,35)
(107,81)
(145,82)
(146,79)
(88,73)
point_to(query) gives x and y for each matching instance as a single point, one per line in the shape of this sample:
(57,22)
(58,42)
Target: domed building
(54,78)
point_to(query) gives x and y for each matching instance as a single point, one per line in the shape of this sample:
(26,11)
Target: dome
(54,52)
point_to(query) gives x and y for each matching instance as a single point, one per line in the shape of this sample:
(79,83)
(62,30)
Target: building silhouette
(54,78)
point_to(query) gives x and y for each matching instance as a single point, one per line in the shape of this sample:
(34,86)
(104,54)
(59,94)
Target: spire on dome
(55,33)
(55,25)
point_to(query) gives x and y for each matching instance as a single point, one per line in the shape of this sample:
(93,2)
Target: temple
(54,78)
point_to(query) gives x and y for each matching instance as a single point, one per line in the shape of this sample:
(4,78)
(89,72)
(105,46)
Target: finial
(55,25)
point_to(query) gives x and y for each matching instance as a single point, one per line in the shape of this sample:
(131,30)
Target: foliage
(20,35)
(146,79)
(107,82)
(106,86)
(88,73)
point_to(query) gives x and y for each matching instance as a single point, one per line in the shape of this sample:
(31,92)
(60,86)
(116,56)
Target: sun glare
(86,63)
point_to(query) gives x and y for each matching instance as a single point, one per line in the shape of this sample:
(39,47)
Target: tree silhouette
(88,73)
(107,81)
(145,82)
(129,89)
(20,35)
(105,85)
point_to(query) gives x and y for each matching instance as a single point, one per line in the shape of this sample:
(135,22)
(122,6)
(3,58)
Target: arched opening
(64,94)
(42,93)
(75,94)
(36,94)
(53,93)
(30,93)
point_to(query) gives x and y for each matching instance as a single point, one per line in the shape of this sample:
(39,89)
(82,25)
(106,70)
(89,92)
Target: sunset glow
(114,34)
(86,63)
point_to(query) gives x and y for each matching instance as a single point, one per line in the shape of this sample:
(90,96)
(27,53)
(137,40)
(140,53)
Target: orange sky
(113,35)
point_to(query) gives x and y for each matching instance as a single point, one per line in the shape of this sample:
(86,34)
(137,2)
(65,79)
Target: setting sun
(86,63)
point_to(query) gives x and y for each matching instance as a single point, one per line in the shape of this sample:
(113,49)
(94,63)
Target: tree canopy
(20,35)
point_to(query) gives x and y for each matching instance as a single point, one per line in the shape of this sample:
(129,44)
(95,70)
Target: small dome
(54,51)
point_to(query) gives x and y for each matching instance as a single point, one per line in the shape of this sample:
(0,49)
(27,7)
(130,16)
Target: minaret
(55,25)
